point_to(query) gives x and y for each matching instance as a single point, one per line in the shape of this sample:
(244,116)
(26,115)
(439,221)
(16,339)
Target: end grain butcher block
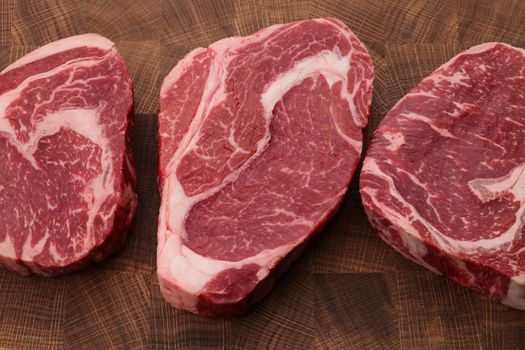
(443,180)
(66,170)
(259,138)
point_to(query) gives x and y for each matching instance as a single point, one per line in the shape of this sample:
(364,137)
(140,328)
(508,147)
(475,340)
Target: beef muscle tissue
(66,169)
(443,181)
(258,139)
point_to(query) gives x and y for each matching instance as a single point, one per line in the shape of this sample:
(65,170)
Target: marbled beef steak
(444,181)
(66,169)
(259,137)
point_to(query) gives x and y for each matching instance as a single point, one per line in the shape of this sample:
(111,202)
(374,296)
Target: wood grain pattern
(349,290)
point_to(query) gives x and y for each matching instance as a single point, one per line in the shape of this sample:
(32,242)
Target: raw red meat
(259,137)
(443,180)
(66,169)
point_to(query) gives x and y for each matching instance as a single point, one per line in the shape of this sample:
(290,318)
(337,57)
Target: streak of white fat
(330,64)
(358,145)
(446,243)
(422,94)
(333,67)
(455,113)
(520,251)
(368,82)
(456,78)
(419,117)
(77,41)
(191,271)
(5,125)
(169,246)
(82,121)
(9,96)
(7,248)
(460,108)
(396,140)
(57,258)
(294,223)
(299,220)
(516,293)
(8,256)
(29,251)
(489,188)
(515,122)
(175,204)
(235,145)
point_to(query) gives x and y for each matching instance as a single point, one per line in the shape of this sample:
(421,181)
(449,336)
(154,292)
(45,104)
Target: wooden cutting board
(349,290)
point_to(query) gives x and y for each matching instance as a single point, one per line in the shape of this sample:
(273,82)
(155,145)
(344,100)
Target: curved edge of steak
(67,184)
(461,213)
(259,137)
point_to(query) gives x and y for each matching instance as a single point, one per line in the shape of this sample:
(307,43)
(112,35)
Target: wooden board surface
(349,290)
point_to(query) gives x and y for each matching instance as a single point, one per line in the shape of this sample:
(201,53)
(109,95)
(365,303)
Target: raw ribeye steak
(66,169)
(259,137)
(444,181)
